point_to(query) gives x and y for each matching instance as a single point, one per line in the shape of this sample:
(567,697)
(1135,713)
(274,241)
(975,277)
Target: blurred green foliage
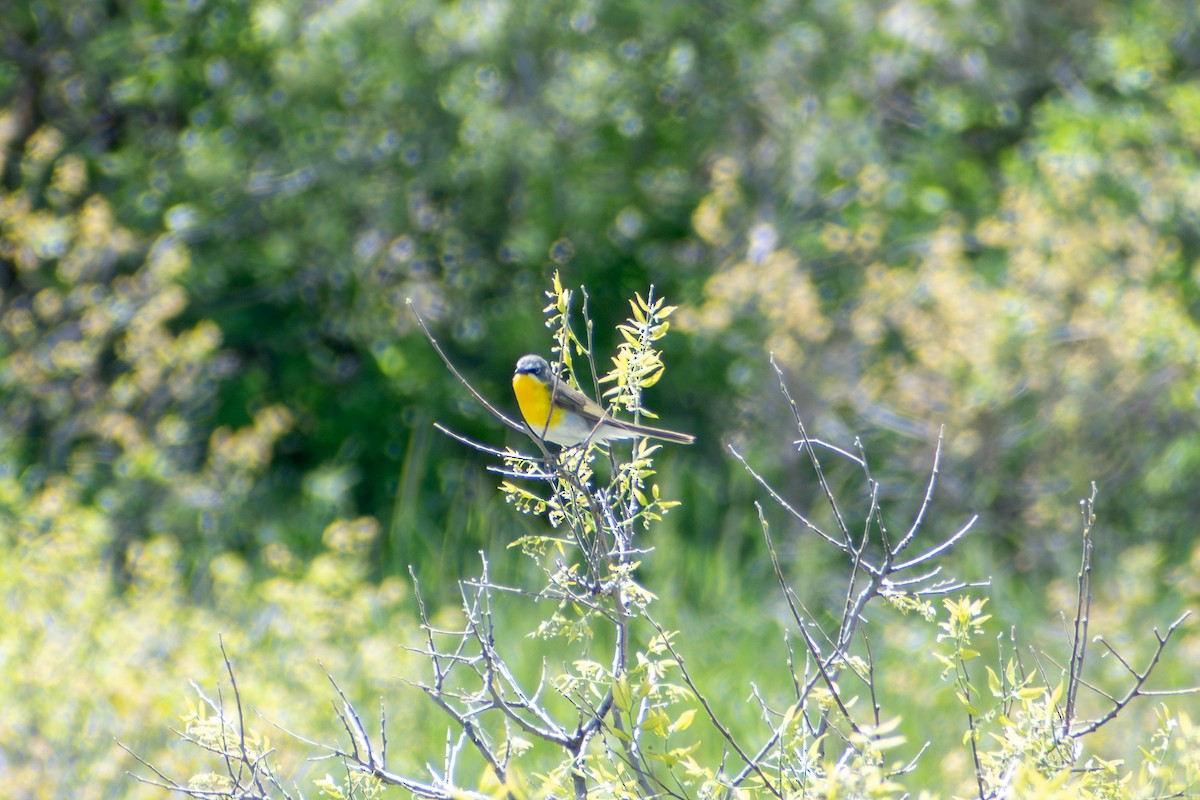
(212,212)
(931,212)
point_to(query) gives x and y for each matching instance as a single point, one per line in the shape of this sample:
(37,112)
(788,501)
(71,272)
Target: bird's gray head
(533,365)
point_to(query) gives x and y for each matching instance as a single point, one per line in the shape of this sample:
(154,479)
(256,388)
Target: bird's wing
(574,400)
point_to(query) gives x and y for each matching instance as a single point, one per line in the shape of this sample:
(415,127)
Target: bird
(570,417)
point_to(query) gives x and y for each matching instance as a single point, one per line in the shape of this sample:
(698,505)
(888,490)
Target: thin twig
(927,500)
(833,448)
(782,503)
(1083,604)
(837,514)
(480,446)
(933,552)
(495,412)
(1140,678)
(751,763)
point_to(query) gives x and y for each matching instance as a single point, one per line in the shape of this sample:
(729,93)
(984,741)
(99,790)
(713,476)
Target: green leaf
(621,694)
(656,721)
(684,721)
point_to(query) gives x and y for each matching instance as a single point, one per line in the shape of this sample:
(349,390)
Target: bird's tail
(652,432)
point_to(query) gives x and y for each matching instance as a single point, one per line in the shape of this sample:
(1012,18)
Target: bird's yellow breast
(533,397)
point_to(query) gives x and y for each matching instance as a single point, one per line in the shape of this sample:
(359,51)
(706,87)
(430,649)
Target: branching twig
(1083,606)
(1140,678)
(588,572)
(865,581)
(782,503)
(816,464)
(752,763)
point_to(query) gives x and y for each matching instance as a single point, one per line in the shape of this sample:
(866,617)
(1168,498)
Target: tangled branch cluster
(617,725)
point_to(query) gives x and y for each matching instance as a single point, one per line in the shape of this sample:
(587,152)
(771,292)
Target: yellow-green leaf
(684,721)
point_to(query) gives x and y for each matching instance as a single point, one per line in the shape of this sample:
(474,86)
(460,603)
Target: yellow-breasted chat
(563,415)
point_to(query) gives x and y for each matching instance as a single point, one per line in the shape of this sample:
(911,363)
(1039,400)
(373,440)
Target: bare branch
(1083,604)
(938,550)
(912,764)
(480,446)
(167,783)
(1139,677)
(928,499)
(805,521)
(820,661)
(833,448)
(495,412)
(837,514)
(752,764)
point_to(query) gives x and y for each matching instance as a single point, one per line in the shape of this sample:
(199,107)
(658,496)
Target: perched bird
(570,417)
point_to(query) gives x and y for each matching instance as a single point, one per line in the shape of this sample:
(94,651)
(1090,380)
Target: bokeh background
(216,411)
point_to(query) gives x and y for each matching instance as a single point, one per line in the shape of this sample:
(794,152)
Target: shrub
(616,707)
